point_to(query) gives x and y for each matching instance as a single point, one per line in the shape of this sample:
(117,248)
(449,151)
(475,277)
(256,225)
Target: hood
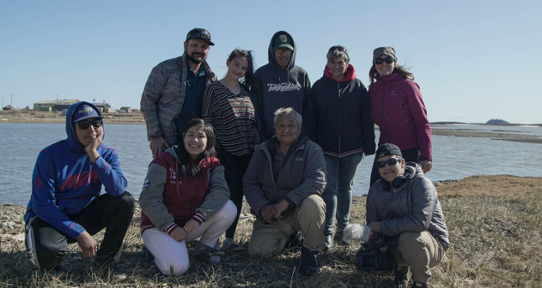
(350,74)
(271,54)
(73,142)
(411,170)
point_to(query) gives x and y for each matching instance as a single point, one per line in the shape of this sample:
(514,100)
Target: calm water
(455,157)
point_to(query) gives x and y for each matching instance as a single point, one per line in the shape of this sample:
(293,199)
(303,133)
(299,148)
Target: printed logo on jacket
(283,87)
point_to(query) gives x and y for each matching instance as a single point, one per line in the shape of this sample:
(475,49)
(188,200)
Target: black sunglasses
(390,162)
(83,125)
(340,48)
(388,60)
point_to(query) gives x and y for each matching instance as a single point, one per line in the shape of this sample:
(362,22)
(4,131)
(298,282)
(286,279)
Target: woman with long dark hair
(185,196)
(397,108)
(228,107)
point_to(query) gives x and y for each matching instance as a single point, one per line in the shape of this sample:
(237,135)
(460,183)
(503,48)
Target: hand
(157,145)
(374,226)
(92,147)
(268,212)
(281,207)
(190,226)
(87,244)
(179,234)
(426,165)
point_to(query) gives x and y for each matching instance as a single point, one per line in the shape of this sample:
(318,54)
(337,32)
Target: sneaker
(307,264)
(109,271)
(296,240)
(403,276)
(207,256)
(338,238)
(147,255)
(232,247)
(217,250)
(422,285)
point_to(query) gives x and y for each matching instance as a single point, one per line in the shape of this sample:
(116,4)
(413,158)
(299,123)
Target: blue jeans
(338,194)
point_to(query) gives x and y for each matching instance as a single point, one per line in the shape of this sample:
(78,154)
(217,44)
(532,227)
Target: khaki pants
(420,251)
(309,218)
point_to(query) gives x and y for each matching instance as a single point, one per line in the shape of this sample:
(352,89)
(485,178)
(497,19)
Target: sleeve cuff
(198,218)
(170,228)
(292,204)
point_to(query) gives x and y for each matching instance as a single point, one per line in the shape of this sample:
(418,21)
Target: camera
(370,259)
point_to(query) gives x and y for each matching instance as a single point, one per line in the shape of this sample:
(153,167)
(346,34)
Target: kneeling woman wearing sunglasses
(397,108)
(185,196)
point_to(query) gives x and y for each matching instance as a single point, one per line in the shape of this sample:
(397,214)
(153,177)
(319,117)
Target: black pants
(410,155)
(46,246)
(235,168)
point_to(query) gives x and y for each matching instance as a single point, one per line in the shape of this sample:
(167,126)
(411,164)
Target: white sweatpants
(171,257)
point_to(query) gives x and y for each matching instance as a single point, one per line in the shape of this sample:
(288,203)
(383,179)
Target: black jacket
(338,117)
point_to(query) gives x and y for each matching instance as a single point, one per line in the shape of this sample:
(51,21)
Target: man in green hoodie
(280,83)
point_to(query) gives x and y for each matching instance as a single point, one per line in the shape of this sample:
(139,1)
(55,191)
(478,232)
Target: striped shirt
(233,118)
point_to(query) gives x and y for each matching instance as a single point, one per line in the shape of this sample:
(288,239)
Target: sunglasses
(83,125)
(388,60)
(390,162)
(340,48)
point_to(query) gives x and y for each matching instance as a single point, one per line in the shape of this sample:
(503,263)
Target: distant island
(497,122)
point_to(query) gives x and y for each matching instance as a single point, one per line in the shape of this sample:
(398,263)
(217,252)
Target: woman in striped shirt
(227,106)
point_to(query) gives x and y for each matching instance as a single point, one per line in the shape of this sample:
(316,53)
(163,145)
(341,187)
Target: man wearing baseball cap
(280,83)
(174,90)
(66,206)
(404,204)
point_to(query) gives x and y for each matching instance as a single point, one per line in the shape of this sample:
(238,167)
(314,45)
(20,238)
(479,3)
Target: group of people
(290,149)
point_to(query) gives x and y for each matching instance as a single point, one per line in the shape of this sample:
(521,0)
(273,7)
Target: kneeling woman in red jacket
(185,196)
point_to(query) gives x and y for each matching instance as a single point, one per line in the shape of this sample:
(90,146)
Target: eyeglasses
(390,162)
(83,125)
(388,60)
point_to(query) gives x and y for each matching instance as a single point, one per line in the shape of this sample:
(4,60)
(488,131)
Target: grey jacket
(413,207)
(163,97)
(304,174)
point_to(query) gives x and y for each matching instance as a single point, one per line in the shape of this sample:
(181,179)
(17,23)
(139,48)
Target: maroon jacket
(167,201)
(397,108)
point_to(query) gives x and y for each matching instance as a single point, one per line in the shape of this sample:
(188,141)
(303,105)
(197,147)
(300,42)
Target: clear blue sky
(474,60)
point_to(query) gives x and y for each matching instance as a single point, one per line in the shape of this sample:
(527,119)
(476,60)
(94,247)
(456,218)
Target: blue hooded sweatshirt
(65,181)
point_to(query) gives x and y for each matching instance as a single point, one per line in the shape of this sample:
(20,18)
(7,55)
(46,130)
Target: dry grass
(495,225)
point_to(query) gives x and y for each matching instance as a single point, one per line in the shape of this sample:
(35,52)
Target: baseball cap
(283,40)
(388,149)
(85,111)
(201,34)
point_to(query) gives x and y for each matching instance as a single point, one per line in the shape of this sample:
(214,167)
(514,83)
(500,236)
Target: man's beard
(195,60)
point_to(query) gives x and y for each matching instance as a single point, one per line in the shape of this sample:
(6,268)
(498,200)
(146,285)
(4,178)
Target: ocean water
(454,157)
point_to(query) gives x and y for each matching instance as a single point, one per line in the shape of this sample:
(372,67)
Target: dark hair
(398,69)
(248,81)
(190,167)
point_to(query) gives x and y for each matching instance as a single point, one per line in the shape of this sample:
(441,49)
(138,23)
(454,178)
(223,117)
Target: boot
(307,264)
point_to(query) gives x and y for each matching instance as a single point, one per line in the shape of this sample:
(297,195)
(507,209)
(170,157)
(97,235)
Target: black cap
(388,149)
(200,34)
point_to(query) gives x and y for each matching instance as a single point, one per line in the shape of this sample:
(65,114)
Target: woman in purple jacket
(397,108)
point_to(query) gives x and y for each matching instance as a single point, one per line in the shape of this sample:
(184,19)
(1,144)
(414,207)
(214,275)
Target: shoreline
(136,118)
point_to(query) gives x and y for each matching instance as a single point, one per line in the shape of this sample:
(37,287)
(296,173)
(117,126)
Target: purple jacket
(397,108)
